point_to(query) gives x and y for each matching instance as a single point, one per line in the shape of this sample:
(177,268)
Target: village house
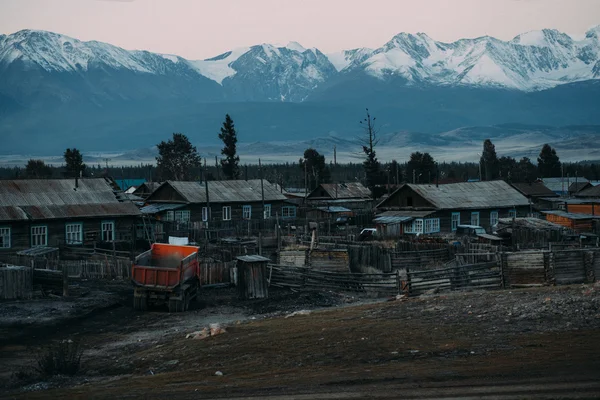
(145,189)
(217,202)
(352,196)
(561,185)
(430,209)
(58,212)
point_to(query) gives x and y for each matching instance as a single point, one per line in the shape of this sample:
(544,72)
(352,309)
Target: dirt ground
(528,343)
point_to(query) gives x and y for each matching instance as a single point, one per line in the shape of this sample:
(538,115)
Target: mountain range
(58,92)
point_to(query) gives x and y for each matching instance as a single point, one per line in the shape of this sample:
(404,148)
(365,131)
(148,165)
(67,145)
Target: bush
(62,358)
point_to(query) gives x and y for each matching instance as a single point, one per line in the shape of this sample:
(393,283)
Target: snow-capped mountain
(531,61)
(54,88)
(268,72)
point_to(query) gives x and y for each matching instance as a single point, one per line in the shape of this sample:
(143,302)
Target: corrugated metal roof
(159,207)
(352,190)
(238,191)
(471,195)
(571,215)
(45,192)
(392,220)
(12,213)
(589,192)
(533,189)
(38,199)
(253,258)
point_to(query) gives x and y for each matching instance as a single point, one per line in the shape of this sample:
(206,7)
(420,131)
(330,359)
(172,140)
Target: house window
(204,214)
(418,226)
(39,236)
(475,218)
(108,231)
(267,212)
(432,225)
(455,220)
(512,213)
(246,212)
(170,216)
(493,218)
(182,216)
(227,213)
(74,233)
(5,238)
(288,212)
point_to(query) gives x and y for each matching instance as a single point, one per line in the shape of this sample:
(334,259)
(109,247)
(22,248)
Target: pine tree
(177,158)
(316,168)
(38,169)
(420,168)
(489,161)
(548,162)
(230,163)
(74,163)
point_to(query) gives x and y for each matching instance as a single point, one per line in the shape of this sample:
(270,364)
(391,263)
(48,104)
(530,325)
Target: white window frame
(286,212)
(512,213)
(473,221)
(418,225)
(74,233)
(204,214)
(103,230)
(435,226)
(39,236)
(267,211)
(226,213)
(170,216)
(493,218)
(247,212)
(5,234)
(455,222)
(182,216)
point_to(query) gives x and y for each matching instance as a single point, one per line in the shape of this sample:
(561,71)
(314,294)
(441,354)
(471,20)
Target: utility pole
(217,167)
(207,199)
(414,176)
(262,189)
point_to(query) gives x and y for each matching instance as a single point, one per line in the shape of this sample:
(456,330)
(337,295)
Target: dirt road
(535,343)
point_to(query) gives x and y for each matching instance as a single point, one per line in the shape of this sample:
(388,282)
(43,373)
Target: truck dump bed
(165,266)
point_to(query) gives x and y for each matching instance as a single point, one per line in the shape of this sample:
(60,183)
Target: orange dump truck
(166,274)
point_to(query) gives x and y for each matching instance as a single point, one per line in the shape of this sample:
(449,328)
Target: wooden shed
(577,222)
(252,277)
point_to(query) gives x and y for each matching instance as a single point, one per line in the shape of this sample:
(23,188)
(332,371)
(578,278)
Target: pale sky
(198,29)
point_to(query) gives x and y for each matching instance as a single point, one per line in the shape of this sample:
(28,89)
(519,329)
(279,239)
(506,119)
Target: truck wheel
(172,306)
(180,305)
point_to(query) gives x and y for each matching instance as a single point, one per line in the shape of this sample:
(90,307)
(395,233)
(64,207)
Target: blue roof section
(388,220)
(125,184)
(160,207)
(334,209)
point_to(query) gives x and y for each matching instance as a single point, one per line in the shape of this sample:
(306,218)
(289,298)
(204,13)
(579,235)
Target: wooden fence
(286,276)
(462,277)
(16,282)
(217,272)
(421,259)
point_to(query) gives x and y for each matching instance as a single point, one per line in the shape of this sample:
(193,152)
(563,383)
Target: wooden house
(145,189)
(577,187)
(353,196)
(218,202)
(56,212)
(561,185)
(441,208)
(534,190)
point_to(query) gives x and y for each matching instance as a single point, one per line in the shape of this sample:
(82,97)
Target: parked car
(367,234)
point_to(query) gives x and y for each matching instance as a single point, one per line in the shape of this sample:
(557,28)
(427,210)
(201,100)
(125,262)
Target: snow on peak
(218,68)
(593,32)
(295,46)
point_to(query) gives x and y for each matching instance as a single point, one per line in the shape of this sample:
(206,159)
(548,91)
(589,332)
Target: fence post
(408,280)
(65,280)
(398,283)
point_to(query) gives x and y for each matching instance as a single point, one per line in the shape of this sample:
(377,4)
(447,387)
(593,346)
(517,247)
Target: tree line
(178,159)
